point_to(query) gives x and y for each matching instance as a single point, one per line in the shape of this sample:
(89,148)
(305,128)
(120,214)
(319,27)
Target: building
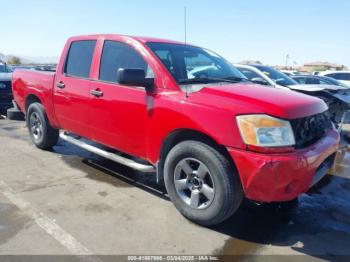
(321,66)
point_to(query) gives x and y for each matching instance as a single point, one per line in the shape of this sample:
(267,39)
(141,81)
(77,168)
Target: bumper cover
(282,177)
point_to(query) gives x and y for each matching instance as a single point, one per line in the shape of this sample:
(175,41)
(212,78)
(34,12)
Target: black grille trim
(7,89)
(308,130)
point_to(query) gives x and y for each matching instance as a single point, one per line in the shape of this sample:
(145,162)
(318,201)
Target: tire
(15,114)
(211,181)
(41,133)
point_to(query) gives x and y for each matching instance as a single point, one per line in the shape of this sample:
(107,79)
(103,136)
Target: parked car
(213,139)
(5,88)
(15,67)
(317,80)
(342,76)
(336,97)
(290,72)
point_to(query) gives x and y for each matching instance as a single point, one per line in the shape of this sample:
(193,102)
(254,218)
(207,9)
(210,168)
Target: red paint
(137,123)
(282,177)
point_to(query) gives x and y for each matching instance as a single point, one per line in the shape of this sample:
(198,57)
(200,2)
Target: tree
(14,60)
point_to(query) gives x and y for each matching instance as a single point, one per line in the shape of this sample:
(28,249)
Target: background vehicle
(336,97)
(342,76)
(213,138)
(317,80)
(290,72)
(5,87)
(15,67)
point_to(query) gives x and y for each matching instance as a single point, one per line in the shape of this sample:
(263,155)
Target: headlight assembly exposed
(265,131)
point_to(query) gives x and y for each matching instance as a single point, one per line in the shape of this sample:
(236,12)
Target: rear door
(72,89)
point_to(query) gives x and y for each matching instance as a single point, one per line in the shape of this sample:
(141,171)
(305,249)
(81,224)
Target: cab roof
(137,38)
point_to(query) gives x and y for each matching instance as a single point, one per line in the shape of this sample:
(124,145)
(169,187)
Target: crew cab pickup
(211,136)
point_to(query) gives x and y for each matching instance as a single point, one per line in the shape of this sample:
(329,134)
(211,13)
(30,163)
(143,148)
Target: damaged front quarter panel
(337,98)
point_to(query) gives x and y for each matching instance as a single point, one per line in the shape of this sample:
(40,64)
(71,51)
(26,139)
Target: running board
(111,156)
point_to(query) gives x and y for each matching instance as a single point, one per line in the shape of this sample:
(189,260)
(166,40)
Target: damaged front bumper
(282,177)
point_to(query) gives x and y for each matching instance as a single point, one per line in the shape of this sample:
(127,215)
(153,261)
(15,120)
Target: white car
(290,72)
(336,97)
(342,76)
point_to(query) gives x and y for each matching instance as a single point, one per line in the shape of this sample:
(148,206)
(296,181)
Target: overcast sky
(266,30)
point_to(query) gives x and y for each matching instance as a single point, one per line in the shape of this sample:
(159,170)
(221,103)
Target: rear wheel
(201,183)
(41,133)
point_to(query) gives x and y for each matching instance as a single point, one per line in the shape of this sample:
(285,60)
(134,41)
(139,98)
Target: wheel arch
(48,107)
(181,135)
(30,99)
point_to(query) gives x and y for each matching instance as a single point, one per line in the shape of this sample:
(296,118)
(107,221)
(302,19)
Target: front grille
(5,87)
(308,130)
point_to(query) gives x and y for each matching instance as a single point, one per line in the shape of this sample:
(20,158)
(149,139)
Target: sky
(265,30)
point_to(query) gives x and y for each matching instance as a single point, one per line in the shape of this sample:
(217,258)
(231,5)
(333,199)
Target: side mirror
(134,77)
(260,81)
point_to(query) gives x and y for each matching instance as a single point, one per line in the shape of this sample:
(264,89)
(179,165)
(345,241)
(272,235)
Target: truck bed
(36,82)
(25,81)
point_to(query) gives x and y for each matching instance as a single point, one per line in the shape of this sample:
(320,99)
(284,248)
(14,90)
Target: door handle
(96,93)
(60,85)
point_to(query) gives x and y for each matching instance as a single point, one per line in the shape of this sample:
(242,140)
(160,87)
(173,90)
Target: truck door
(119,113)
(72,89)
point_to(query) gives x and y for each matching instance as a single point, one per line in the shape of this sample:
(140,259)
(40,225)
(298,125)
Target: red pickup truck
(184,114)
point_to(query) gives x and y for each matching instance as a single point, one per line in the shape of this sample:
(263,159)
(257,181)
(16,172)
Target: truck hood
(5,76)
(245,98)
(315,88)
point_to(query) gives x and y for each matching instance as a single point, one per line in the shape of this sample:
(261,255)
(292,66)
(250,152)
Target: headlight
(265,131)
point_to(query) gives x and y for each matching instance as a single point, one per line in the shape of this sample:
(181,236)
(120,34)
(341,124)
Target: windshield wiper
(206,80)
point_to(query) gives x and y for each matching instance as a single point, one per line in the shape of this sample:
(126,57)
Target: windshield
(4,68)
(194,65)
(277,76)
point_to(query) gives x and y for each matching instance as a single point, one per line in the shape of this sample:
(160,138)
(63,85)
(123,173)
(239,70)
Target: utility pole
(185,23)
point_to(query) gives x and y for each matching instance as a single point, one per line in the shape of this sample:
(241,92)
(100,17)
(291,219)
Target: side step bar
(114,157)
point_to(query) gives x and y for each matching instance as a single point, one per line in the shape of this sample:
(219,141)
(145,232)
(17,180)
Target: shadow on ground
(319,226)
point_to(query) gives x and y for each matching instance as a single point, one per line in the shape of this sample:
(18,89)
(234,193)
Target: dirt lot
(68,201)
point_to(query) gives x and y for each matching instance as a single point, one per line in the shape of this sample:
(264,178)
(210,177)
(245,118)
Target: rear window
(340,76)
(78,62)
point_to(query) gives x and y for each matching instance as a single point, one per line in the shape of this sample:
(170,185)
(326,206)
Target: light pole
(287,58)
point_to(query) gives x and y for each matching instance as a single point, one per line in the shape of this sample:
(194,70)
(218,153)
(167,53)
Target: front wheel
(42,134)
(201,183)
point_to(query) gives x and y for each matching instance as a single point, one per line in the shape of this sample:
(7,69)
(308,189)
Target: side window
(166,58)
(116,55)
(301,80)
(340,76)
(332,76)
(79,58)
(312,81)
(344,76)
